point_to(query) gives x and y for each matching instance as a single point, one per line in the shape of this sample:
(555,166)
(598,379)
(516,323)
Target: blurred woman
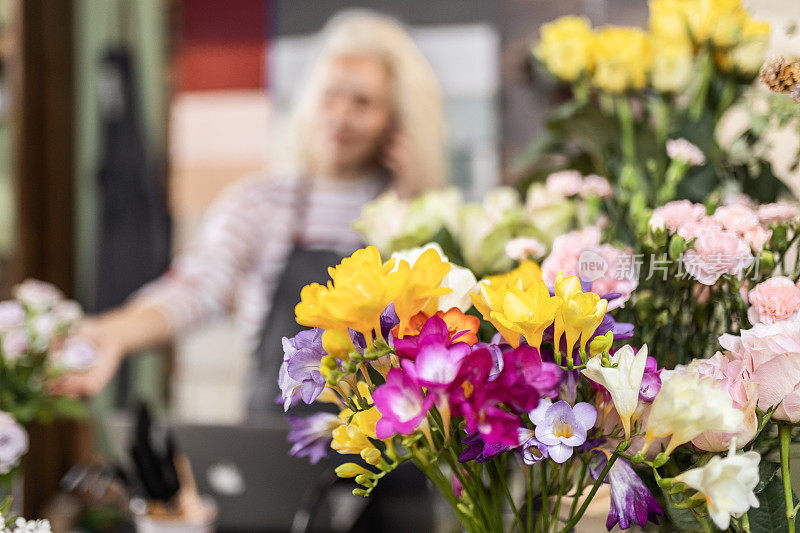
(370,118)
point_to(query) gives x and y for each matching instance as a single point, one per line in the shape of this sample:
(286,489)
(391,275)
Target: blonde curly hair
(417,96)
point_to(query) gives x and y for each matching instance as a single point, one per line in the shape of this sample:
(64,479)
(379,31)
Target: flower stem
(545,503)
(577,517)
(785,432)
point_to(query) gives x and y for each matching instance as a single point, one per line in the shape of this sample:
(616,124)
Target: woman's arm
(200,283)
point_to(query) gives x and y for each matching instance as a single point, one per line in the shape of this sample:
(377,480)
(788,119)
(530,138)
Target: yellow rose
(720,21)
(565,47)
(669,18)
(672,64)
(623,58)
(748,56)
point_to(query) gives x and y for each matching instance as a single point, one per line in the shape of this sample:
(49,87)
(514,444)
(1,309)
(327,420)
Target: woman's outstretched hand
(92,380)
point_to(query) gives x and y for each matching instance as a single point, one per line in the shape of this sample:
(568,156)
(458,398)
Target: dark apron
(387,509)
(304,266)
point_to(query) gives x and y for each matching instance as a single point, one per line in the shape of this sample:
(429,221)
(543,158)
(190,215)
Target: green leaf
(680,519)
(766,472)
(770,516)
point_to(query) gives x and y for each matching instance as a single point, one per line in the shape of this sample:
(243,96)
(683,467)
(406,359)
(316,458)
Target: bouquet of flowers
(33,327)
(518,400)
(632,90)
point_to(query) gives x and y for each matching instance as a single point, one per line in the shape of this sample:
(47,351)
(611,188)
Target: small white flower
(594,185)
(462,282)
(687,406)
(523,248)
(37,295)
(623,380)
(13,443)
(727,484)
(564,183)
(683,150)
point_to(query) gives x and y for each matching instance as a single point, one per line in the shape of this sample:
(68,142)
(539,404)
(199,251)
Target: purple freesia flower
(561,427)
(401,403)
(631,501)
(303,355)
(533,451)
(311,436)
(388,321)
(651,380)
(477,449)
(290,388)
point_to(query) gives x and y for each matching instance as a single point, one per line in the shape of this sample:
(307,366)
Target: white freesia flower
(688,405)
(462,282)
(727,484)
(381,220)
(411,255)
(623,380)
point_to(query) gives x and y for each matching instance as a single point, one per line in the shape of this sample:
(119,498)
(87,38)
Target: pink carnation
(729,374)
(620,277)
(771,355)
(779,212)
(594,185)
(566,250)
(737,218)
(564,183)
(673,214)
(693,228)
(757,237)
(716,253)
(774,300)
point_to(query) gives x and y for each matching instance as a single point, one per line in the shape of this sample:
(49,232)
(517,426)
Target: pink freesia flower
(564,183)
(737,218)
(401,403)
(594,185)
(779,212)
(731,375)
(774,300)
(674,214)
(716,253)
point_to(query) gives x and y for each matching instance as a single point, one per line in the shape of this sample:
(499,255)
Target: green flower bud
(660,460)
(766,261)
(779,235)
(601,343)
(677,245)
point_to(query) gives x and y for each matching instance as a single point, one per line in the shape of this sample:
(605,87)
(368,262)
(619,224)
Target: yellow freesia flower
(748,56)
(623,58)
(421,289)
(565,47)
(582,314)
(361,288)
(523,312)
(566,289)
(522,277)
(350,439)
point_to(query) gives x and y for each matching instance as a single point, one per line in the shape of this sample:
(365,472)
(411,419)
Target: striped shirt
(238,256)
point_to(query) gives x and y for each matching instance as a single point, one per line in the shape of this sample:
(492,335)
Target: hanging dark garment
(134,236)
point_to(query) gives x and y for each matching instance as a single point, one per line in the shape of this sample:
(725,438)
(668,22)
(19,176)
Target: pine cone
(781,75)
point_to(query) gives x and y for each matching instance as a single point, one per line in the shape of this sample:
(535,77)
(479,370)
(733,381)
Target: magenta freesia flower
(311,436)
(631,500)
(651,380)
(561,427)
(436,365)
(401,403)
(433,331)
